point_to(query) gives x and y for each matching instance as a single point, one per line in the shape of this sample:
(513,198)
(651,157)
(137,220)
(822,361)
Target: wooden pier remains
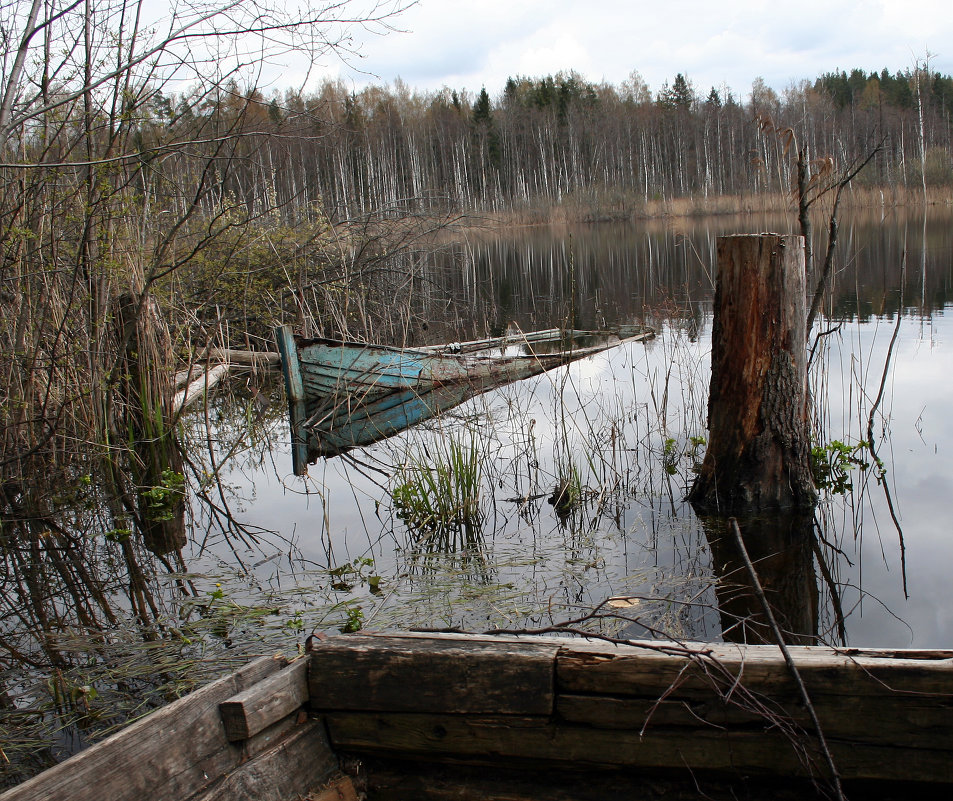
(421,716)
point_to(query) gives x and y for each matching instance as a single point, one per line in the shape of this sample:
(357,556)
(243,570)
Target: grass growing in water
(438,488)
(568,493)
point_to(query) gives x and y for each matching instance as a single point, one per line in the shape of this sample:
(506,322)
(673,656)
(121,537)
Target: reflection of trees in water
(632,272)
(613,273)
(75,592)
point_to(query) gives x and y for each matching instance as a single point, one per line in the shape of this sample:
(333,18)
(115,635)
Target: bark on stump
(758,456)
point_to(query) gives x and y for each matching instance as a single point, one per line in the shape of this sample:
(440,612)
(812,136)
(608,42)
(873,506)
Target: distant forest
(560,138)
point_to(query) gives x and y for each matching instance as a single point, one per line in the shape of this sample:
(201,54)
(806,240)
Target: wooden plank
(608,669)
(721,651)
(490,738)
(170,754)
(399,780)
(294,387)
(297,763)
(268,701)
(605,712)
(432,674)
(904,721)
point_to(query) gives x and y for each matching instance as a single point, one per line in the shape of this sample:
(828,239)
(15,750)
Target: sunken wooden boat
(344,394)
(441,716)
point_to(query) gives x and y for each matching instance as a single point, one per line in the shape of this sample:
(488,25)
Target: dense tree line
(558,138)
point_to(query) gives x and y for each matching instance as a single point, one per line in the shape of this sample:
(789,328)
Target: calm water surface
(629,425)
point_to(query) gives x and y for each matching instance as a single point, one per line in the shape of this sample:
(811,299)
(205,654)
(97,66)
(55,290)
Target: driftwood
(200,387)
(261,359)
(197,382)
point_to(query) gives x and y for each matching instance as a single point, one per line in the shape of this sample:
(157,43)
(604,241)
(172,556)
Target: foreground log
(758,456)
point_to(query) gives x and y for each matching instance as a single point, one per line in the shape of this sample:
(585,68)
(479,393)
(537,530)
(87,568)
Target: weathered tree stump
(758,456)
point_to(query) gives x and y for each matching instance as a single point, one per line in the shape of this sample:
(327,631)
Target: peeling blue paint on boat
(343,394)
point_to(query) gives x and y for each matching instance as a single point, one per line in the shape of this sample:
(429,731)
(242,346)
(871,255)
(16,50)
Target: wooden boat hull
(556,717)
(344,395)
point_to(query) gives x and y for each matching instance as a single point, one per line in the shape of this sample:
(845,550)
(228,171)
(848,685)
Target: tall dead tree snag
(758,456)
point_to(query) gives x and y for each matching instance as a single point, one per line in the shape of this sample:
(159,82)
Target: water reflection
(781,550)
(659,269)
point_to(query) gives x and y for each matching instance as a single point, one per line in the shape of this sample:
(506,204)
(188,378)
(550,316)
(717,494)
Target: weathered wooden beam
(436,675)
(609,669)
(173,753)
(901,721)
(265,703)
(297,763)
(763,750)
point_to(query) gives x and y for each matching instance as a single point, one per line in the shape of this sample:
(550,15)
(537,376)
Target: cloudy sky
(468,44)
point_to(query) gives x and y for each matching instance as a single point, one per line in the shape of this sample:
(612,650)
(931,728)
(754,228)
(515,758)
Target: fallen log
(199,387)
(246,358)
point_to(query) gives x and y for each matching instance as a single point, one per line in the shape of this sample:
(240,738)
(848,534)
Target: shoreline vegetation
(612,209)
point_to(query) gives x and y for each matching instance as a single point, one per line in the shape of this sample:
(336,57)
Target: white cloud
(472,44)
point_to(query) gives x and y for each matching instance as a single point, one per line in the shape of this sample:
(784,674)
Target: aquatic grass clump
(568,493)
(438,488)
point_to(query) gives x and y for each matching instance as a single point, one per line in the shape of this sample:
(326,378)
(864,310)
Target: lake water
(625,428)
